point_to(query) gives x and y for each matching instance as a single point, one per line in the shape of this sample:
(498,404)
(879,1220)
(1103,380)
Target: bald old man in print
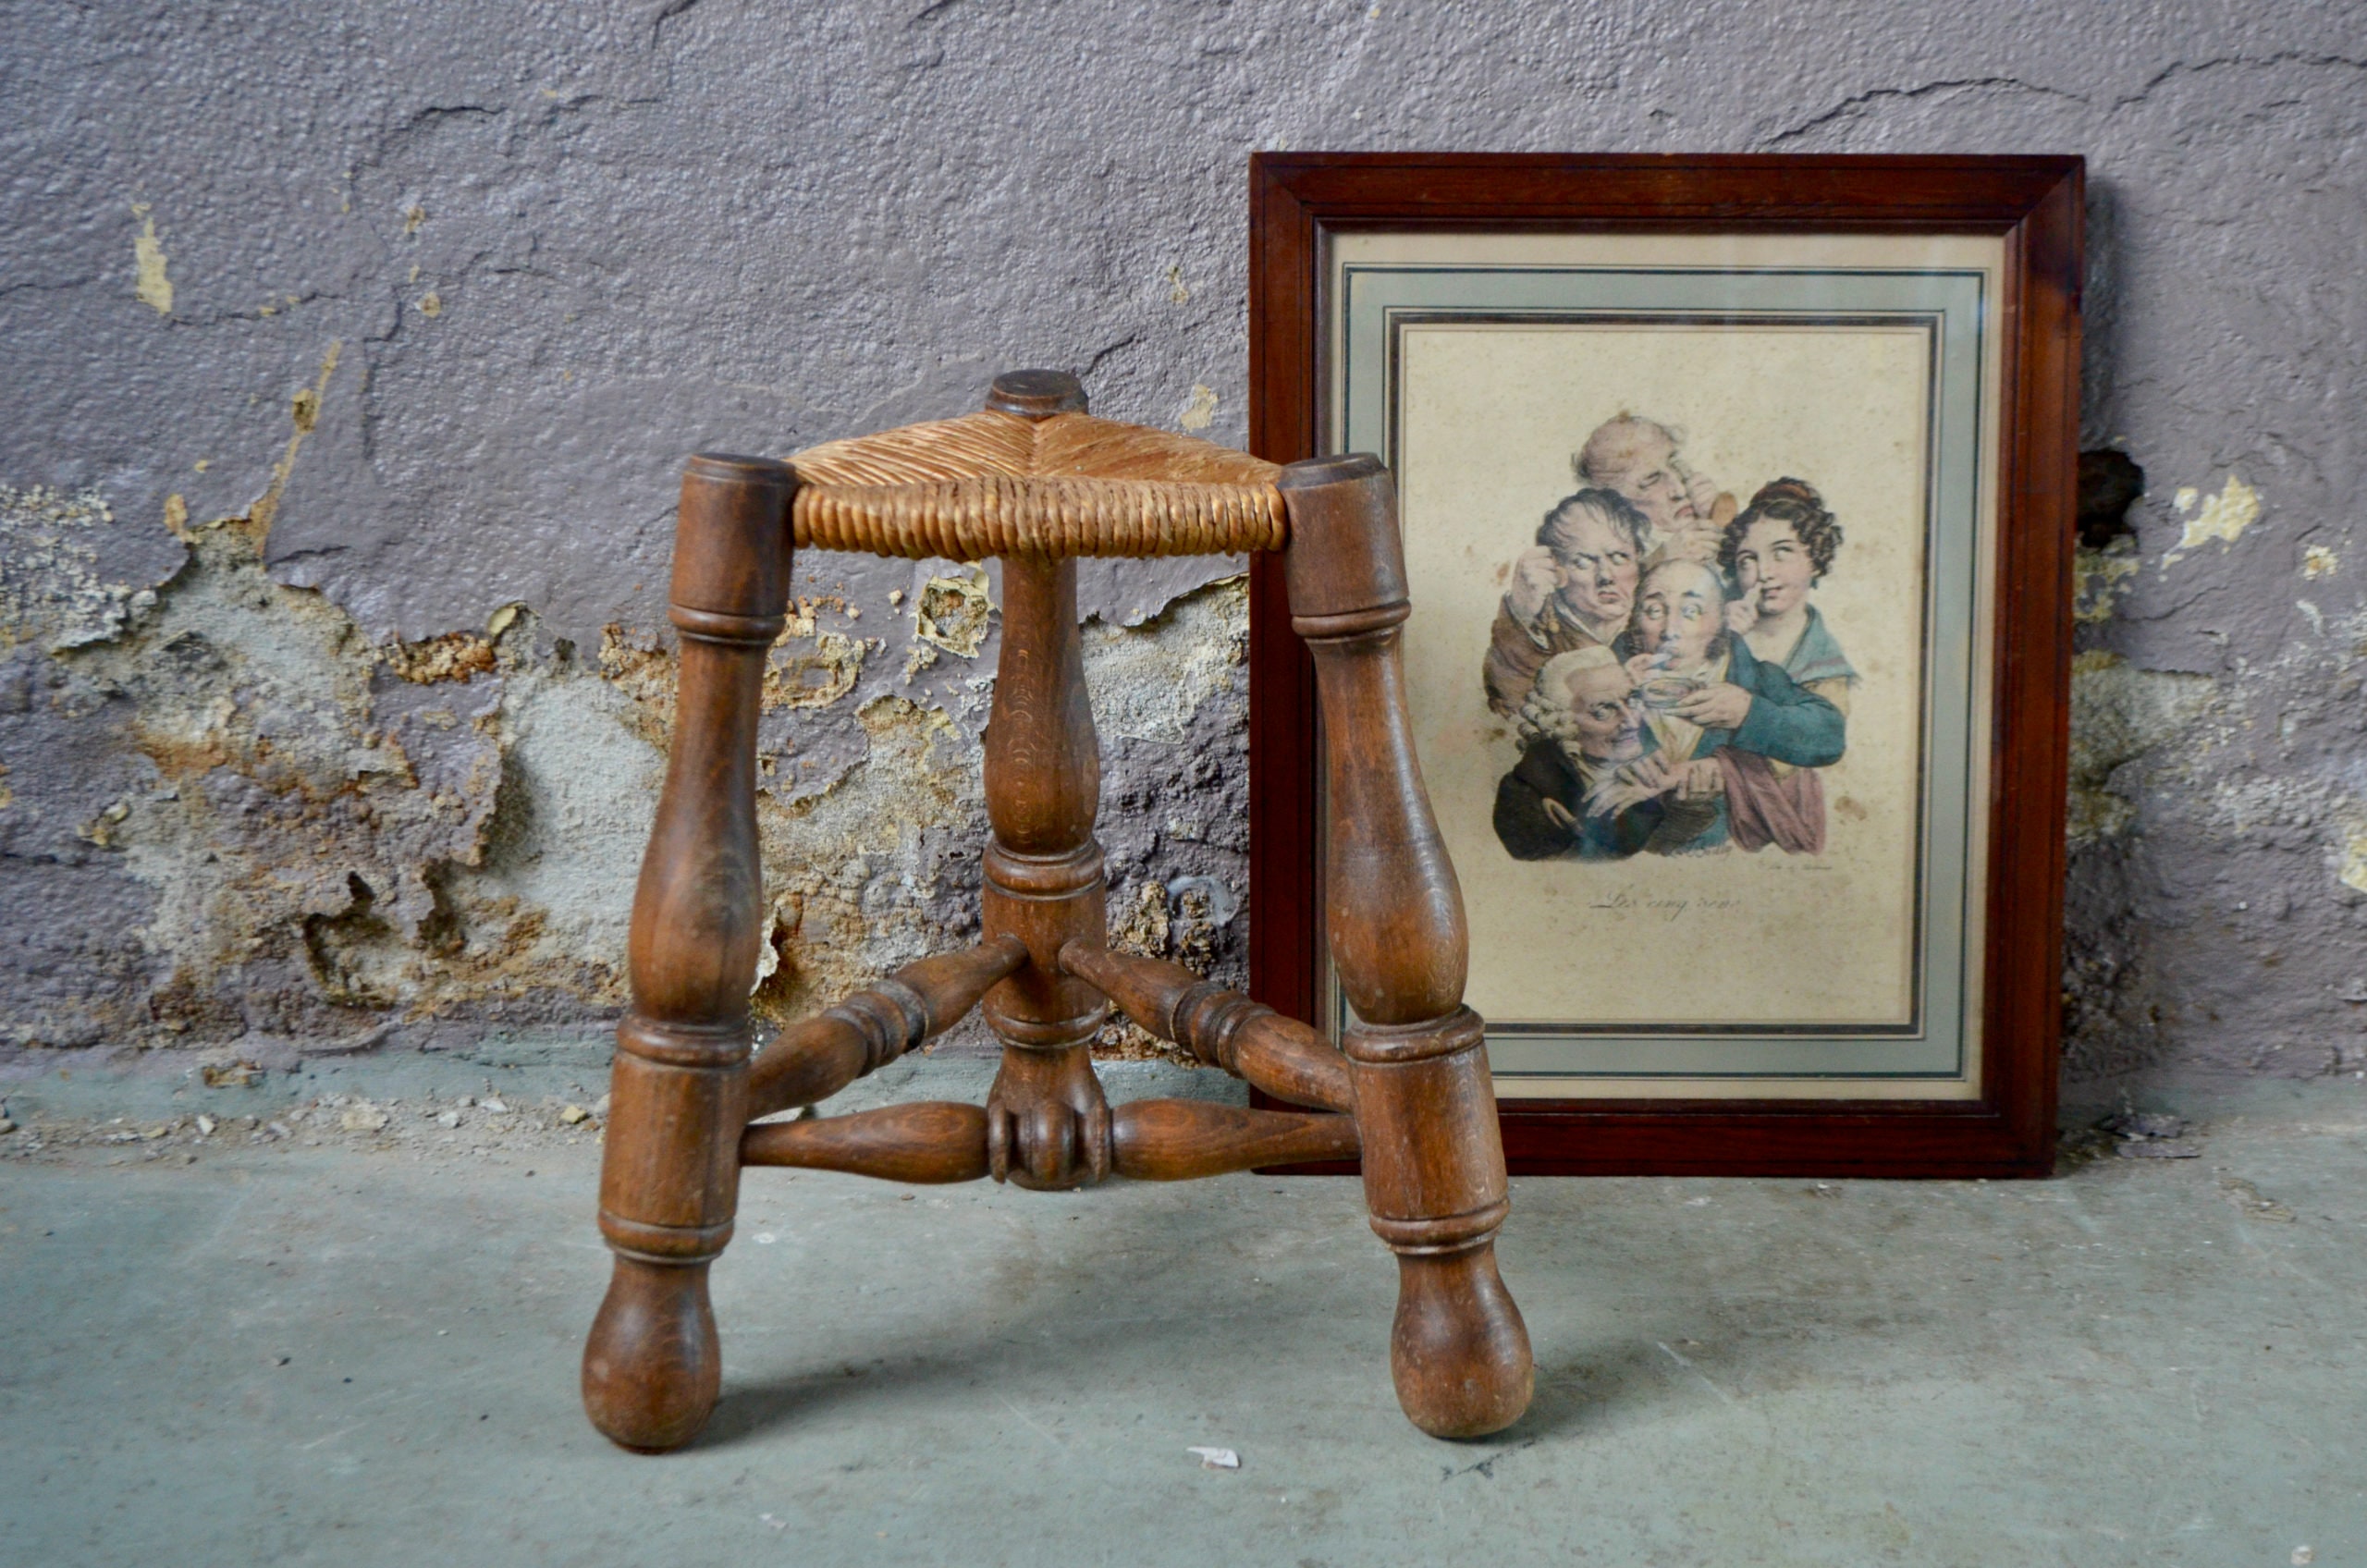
(1639,457)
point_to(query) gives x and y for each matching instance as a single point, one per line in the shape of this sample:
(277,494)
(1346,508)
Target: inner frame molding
(1391,289)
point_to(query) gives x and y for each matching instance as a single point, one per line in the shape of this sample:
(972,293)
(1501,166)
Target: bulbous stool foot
(1458,1350)
(652,1366)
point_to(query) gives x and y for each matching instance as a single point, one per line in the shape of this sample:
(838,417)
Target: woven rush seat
(1001,484)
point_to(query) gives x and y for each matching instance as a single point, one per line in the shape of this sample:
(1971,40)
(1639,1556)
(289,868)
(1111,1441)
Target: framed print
(1737,497)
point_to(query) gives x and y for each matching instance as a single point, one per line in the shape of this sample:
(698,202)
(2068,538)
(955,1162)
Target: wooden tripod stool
(1038,481)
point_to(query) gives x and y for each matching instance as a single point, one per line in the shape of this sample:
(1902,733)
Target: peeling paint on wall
(346,844)
(1148,688)
(2222,517)
(1199,409)
(151,284)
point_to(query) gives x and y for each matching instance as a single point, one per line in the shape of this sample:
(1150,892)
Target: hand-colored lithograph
(1702,531)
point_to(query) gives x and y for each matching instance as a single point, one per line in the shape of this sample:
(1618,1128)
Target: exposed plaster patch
(52,589)
(2223,518)
(1199,409)
(2119,715)
(878,871)
(153,286)
(2101,578)
(1148,688)
(456,655)
(302,817)
(820,671)
(325,828)
(564,845)
(953,613)
(639,666)
(2353,870)
(1140,922)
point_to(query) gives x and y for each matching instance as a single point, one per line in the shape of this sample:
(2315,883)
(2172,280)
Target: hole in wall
(2110,482)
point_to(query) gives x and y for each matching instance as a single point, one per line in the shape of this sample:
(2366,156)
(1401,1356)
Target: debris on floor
(2249,1198)
(1216,1458)
(2128,1134)
(473,1125)
(2150,1134)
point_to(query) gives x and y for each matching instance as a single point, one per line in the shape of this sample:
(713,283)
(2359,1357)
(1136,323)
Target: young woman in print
(1777,550)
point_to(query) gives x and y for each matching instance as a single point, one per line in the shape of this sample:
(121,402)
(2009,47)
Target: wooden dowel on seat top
(816,1056)
(1184,1140)
(927,1141)
(1223,1028)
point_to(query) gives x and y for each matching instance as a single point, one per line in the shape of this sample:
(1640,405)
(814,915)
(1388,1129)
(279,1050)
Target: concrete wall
(350,353)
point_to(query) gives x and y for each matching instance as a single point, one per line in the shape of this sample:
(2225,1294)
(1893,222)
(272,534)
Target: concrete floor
(284,1353)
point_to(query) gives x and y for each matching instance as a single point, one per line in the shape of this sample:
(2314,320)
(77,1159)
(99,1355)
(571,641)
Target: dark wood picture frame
(2035,204)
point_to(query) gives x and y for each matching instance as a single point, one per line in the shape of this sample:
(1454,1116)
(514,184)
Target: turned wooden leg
(669,1176)
(1433,1160)
(1048,1125)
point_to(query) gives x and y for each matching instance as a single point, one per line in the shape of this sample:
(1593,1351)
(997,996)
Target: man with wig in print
(1564,798)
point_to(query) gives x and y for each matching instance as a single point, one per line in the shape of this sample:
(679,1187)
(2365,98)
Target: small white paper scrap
(1216,1458)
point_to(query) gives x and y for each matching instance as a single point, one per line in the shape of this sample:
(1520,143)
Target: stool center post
(1047,1123)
